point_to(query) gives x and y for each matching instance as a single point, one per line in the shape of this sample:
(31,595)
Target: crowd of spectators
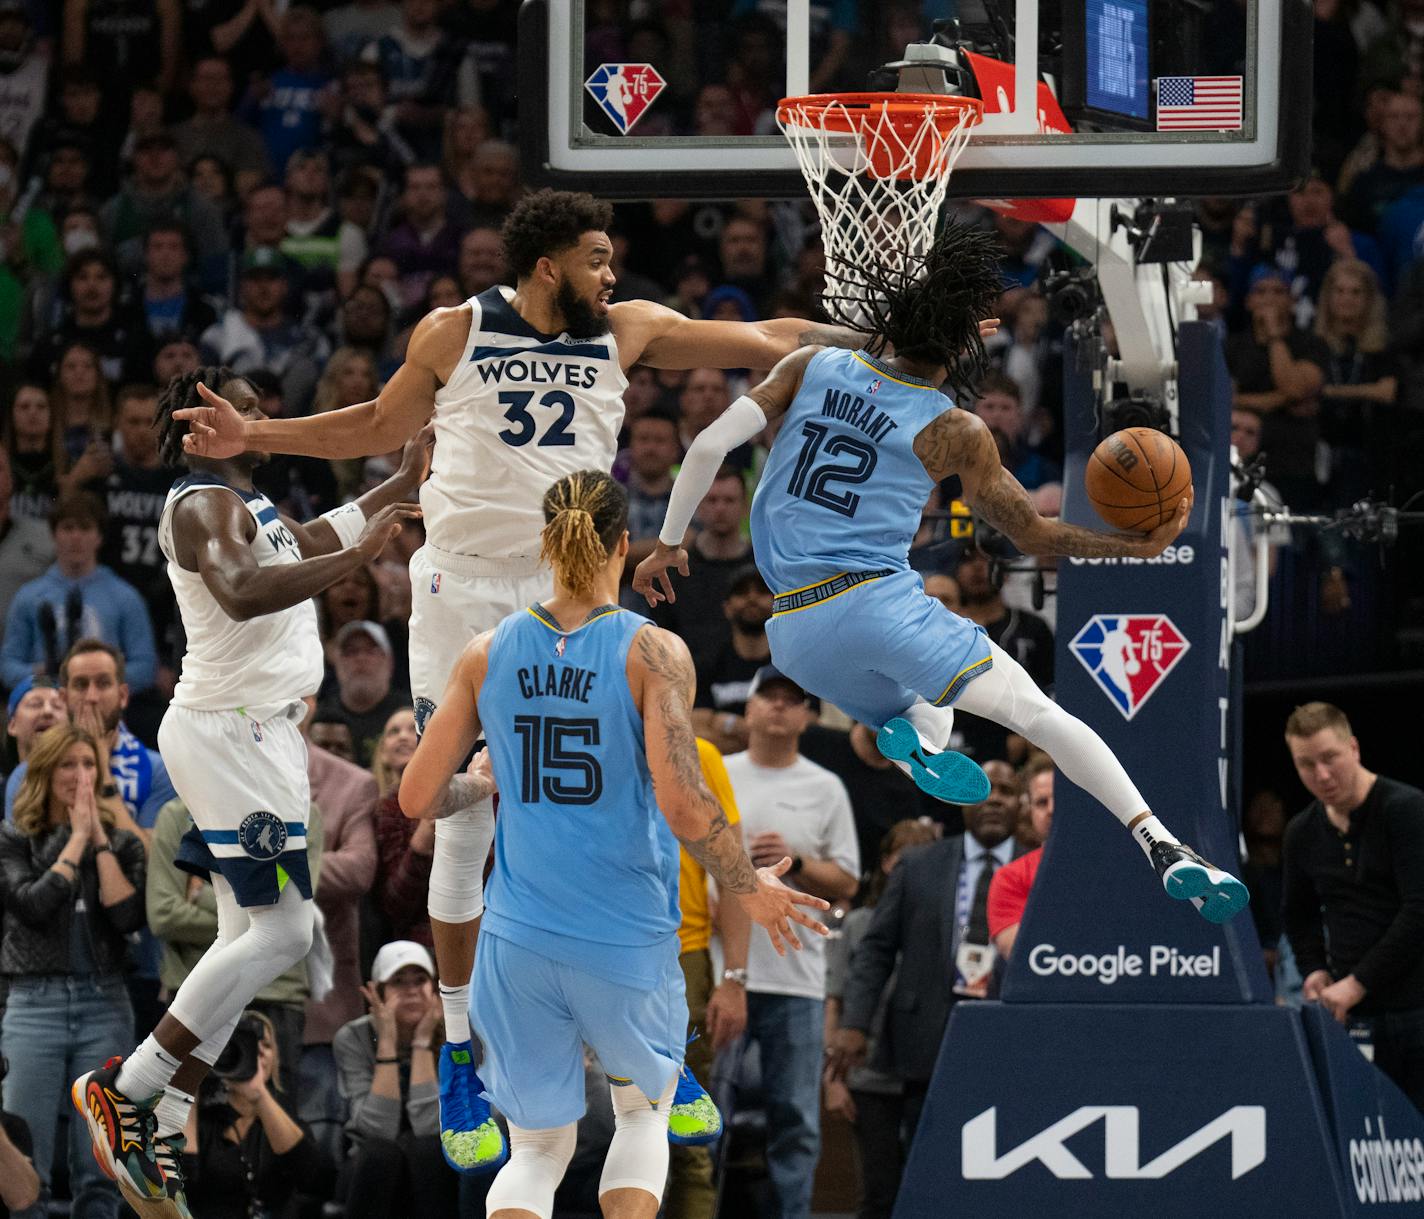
(287,188)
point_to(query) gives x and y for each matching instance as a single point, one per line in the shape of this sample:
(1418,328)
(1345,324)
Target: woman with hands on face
(246,1153)
(71,885)
(386,1064)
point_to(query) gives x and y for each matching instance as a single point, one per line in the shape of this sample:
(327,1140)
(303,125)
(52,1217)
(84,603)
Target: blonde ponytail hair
(585,514)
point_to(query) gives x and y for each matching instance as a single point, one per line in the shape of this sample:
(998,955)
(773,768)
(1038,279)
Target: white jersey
(261,665)
(520,411)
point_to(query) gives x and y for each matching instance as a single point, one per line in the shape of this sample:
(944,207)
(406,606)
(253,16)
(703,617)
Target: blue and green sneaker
(470,1138)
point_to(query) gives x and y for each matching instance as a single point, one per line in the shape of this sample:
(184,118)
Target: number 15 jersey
(521,410)
(585,866)
(842,490)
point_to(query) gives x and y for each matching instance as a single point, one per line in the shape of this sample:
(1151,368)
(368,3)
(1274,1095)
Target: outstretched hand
(655,568)
(774,906)
(1169,530)
(382,527)
(988,327)
(215,430)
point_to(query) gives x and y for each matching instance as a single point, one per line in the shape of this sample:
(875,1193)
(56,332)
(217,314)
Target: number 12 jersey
(521,410)
(843,490)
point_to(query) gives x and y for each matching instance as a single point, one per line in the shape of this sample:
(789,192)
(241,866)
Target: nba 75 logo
(1129,655)
(624,91)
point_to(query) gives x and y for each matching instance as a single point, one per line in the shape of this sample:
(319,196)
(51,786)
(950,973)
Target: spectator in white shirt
(791,807)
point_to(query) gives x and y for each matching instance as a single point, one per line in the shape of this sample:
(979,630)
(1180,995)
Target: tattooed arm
(430,787)
(661,678)
(958,443)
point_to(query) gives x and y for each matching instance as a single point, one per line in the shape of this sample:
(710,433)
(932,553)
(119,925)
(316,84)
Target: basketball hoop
(877,166)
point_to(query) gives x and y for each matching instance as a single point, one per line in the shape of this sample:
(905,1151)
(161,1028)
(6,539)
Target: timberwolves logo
(424,709)
(262,835)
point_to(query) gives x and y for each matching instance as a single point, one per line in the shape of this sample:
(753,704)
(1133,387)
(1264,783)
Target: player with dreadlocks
(866,437)
(244,577)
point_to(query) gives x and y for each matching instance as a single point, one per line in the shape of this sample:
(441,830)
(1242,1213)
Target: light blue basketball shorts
(534,1015)
(871,645)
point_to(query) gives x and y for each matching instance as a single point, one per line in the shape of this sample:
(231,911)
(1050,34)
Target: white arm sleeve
(736,425)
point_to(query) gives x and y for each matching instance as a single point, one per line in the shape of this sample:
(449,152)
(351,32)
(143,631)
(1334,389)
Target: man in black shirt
(134,494)
(1353,905)
(725,678)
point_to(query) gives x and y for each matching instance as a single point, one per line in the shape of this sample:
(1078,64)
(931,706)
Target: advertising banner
(1077,1111)
(1144,658)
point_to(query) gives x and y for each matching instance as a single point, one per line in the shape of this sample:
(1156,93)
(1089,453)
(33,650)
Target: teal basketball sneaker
(945,775)
(1188,877)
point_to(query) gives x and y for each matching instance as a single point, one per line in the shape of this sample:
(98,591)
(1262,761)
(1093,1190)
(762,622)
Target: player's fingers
(775,940)
(781,867)
(665,582)
(790,936)
(807,921)
(210,395)
(805,899)
(682,563)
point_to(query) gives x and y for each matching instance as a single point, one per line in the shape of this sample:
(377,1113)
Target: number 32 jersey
(585,866)
(842,490)
(520,411)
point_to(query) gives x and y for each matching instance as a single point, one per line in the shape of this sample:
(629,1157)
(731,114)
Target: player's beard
(581,321)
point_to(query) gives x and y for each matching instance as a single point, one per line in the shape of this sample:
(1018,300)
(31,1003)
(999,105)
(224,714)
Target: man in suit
(932,921)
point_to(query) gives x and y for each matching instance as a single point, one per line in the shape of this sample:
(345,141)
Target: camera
(238,1060)
(1072,295)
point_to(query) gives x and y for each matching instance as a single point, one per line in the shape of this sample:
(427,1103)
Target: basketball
(1136,478)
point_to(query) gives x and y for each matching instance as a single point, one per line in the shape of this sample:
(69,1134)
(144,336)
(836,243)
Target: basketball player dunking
(526,387)
(863,442)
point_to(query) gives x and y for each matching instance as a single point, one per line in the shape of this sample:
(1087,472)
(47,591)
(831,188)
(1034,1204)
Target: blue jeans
(790,1031)
(55,1029)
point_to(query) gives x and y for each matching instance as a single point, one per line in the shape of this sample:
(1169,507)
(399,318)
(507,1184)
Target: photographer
(247,1156)
(386,1064)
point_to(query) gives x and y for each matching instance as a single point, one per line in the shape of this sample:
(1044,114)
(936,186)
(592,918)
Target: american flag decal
(1199,103)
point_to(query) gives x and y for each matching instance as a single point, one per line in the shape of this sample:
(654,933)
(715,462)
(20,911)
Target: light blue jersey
(835,511)
(843,490)
(579,940)
(585,864)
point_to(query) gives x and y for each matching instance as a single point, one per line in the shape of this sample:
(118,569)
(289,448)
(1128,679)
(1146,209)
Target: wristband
(391,1061)
(796,862)
(109,790)
(104,846)
(346,521)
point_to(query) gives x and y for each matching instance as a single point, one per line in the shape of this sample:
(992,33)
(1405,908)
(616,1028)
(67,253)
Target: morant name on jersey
(851,408)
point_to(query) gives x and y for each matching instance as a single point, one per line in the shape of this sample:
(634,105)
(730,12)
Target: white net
(877,169)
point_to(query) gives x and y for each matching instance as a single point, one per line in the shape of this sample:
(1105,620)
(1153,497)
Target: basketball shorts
(534,1015)
(874,646)
(454,598)
(245,785)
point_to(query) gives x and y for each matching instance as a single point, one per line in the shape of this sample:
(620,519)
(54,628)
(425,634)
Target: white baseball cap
(396,955)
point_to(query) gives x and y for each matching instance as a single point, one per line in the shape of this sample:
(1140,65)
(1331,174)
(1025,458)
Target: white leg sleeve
(462,844)
(638,1155)
(1007,695)
(232,922)
(935,724)
(538,1160)
(225,981)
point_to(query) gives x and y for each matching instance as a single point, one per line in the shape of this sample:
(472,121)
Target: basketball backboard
(1158,97)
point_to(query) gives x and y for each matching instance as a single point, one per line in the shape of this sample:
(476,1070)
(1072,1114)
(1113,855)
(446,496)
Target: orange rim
(849,112)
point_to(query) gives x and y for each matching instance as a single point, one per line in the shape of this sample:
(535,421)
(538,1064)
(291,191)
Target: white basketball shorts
(245,784)
(454,598)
